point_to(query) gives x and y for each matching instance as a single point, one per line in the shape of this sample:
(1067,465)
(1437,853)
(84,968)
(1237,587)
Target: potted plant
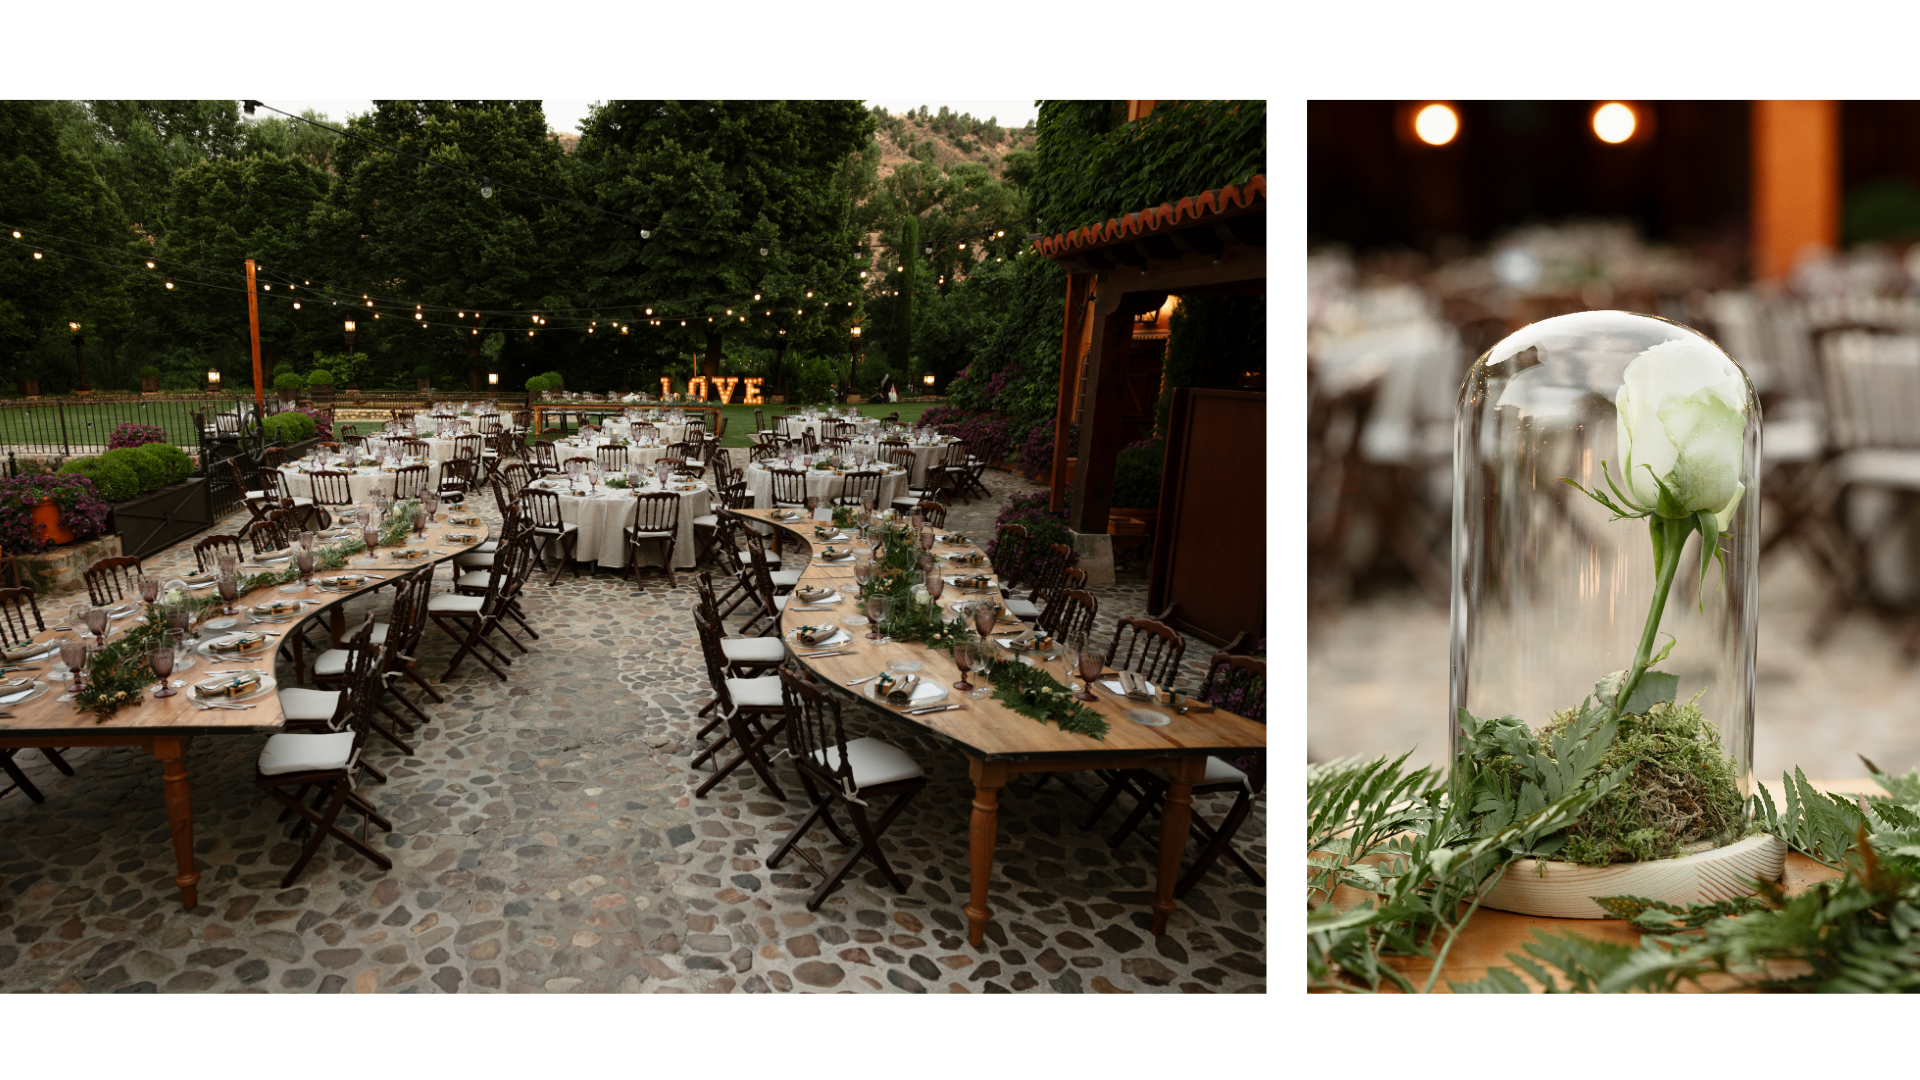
(320,384)
(156,501)
(48,508)
(288,383)
(423,378)
(1136,486)
(29,388)
(149,379)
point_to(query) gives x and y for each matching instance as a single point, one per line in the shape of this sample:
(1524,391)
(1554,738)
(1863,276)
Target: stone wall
(59,569)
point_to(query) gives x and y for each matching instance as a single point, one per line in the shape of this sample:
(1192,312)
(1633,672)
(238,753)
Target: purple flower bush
(1250,701)
(135,435)
(322,423)
(81,510)
(1044,527)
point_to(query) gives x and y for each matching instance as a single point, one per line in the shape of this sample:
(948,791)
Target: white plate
(266,687)
(206,649)
(1147,717)
(37,689)
(1114,686)
(954,580)
(224,622)
(318,584)
(925,692)
(836,538)
(837,560)
(123,611)
(838,637)
(854,620)
(829,597)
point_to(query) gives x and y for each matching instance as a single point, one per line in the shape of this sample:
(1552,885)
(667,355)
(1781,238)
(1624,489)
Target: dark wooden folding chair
(409,481)
(1234,682)
(543,516)
(111,580)
(546,461)
(743,703)
(257,500)
(470,620)
(208,547)
(325,760)
(406,622)
(1072,611)
(852,773)
(611,458)
(19,622)
(330,490)
(656,520)
(789,487)
(858,486)
(934,513)
(456,480)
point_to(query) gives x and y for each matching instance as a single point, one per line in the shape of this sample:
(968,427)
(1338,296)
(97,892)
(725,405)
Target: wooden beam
(1078,286)
(1796,182)
(1100,423)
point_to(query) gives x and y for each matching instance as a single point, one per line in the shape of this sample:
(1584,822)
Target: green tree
(736,199)
(46,187)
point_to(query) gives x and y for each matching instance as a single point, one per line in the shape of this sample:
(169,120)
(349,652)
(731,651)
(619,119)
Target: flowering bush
(81,510)
(127,435)
(1044,528)
(1249,701)
(988,436)
(939,416)
(322,423)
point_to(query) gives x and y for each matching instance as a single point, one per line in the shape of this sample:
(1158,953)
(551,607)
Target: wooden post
(1100,418)
(1796,182)
(253,325)
(1077,286)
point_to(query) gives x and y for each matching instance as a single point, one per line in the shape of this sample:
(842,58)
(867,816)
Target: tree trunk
(710,364)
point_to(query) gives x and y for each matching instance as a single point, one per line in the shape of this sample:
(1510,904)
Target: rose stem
(1669,556)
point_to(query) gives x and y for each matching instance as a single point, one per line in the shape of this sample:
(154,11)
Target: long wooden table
(164,727)
(1000,744)
(614,409)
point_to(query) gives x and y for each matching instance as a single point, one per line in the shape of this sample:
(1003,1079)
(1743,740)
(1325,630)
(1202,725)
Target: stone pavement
(545,840)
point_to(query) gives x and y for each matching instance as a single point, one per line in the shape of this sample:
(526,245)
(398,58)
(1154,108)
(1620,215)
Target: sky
(565,115)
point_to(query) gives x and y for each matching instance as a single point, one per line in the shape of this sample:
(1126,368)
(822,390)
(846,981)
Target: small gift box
(234,685)
(277,607)
(812,635)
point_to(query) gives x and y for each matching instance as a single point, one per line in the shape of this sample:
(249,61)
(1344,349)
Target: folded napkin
(813,635)
(344,581)
(901,692)
(1135,686)
(237,643)
(970,581)
(277,607)
(21,652)
(14,684)
(240,682)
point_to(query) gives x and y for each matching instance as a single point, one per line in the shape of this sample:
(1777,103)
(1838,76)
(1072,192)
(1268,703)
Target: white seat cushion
(784,577)
(1219,772)
(648,534)
(455,604)
(1022,609)
(780,603)
(473,579)
(293,753)
(707,521)
(487,547)
(762,691)
(334,661)
(753,649)
(298,703)
(874,762)
(256,495)
(476,561)
(298,501)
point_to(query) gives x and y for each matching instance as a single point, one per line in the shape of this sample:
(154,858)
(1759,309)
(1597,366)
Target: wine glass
(878,608)
(1092,663)
(431,503)
(303,560)
(372,537)
(1070,663)
(935,585)
(98,620)
(863,571)
(73,653)
(813,505)
(306,540)
(983,655)
(161,661)
(983,619)
(229,591)
(963,659)
(419,523)
(149,588)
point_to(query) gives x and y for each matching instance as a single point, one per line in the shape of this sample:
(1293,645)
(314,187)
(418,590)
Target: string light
(36,255)
(296,305)
(149,261)
(169,284)
(16,236)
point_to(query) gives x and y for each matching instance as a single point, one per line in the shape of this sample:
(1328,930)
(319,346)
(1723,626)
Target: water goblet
(878,608)
(149,588)
(371,536)
(305,540)
(161,661)
(98,620)
(419,523)
(73,653)
(983,655)
(935,585)
(983,619)
(229,591)
(1092,663)
(303,561)
(863,570)
(963,659)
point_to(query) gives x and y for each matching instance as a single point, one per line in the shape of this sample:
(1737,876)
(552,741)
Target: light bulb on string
(169,284)
(486,188)
(16,236)
(646,234)
(763,253)
(36,255)
(296,305)
(149,261)
(756,296)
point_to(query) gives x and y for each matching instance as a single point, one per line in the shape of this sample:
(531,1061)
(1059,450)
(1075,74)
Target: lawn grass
(79,425)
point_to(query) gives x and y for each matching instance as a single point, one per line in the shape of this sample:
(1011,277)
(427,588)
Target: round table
(922,456)
(824,484)
(792,426)
(362,482)
(644,457)
(438,450)
(603,519)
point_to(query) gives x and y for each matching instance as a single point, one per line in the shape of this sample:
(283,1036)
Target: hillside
(945,139)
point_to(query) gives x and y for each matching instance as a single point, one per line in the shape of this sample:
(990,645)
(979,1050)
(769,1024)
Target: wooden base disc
(1565,890)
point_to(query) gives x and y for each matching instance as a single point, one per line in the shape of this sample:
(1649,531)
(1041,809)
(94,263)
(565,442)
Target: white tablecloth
(603,520)
(438,450)
(824,484)
(922,456)
(362,482)
(637,456)
(667,432)
(793,426)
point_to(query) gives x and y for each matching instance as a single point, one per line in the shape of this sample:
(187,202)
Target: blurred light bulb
(1436,125)
(1614,122)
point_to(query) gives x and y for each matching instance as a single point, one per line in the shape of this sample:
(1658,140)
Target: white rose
(1682,416)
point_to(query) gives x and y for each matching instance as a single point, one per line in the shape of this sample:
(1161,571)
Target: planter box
(163,518)
(62,569)
(150,386)
(289,395)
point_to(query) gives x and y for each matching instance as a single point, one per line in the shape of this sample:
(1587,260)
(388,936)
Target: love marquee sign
(722,388)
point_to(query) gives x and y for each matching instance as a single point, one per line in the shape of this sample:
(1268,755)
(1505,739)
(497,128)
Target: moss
(1683,789)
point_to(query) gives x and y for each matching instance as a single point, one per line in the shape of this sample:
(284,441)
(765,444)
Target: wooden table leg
(1175,817)
(172,753)
(988,778)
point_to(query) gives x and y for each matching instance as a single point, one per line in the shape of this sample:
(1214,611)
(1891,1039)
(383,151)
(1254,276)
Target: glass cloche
(1592,593)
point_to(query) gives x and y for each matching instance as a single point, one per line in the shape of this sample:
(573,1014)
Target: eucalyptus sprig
(1034,693)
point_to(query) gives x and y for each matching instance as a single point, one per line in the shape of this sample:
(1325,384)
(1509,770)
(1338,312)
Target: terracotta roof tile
(1229,201)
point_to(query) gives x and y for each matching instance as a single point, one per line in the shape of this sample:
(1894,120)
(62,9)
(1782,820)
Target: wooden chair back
(111,580)
(1237,683)
(456,478)
(330,488)
(789,487)
(856,486)
(1071,614)
(934,513)
(541,509)
(1008,552)
(515,478)
(488,424)
(267,536)
(1153,650)
(409,481)
(612,458)
(656,512)
(205,548)
(815,733)
(545,458)
(16,605)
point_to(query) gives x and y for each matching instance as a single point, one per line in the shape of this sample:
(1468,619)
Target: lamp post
(927,381)
(853,358)
(349,337)
(213,380)
(493,380)
(79,359)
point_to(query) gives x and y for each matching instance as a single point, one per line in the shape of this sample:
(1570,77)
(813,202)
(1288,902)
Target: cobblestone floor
(545,840)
